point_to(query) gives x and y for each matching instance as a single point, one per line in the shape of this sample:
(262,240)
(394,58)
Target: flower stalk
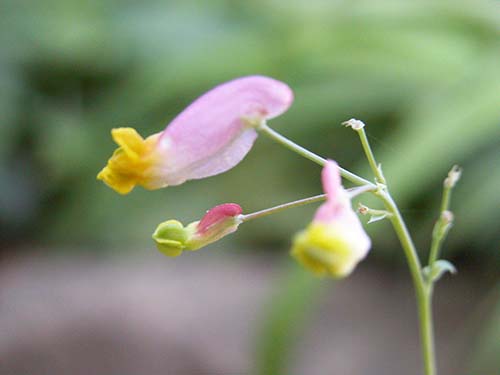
(445,220)
(422,290)
(282,207)
(353,192)
(277,137)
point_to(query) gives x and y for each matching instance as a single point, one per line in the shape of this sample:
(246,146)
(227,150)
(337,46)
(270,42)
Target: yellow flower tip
(324,250)
(131,163)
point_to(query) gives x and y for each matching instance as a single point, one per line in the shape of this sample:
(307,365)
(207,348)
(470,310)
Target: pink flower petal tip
(217,215)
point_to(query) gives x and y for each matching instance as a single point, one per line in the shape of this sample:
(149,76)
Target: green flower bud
(171,237)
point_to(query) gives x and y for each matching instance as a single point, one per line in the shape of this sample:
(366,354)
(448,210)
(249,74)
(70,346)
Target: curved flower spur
(209,137)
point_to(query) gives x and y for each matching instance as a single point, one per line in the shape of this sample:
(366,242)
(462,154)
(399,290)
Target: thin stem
(353,192)
(445,201)
(406,241)
(277,137)
(445,220)
(369,155)
(282,207)
(439,232)
(274,135)
(422,291)
(427,332)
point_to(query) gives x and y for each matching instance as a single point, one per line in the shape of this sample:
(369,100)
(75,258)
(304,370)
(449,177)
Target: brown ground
(198,315)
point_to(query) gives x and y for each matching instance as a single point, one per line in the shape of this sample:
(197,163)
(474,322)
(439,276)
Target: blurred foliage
(423,75)
(284,322)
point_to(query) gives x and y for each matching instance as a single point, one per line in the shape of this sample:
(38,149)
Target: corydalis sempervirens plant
(215,133)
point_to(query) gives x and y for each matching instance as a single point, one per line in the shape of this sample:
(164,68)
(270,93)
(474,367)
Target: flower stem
(277,137)
(282,207)
(353,192)
(422,290)
(369,155)
(445,220)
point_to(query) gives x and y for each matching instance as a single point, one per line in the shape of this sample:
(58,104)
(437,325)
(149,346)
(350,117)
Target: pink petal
(210,136)
(217,215)
(330,177)
(337,202)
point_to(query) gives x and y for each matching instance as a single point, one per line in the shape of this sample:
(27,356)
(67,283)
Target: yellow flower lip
(335,242)
(324,250)
(131,163)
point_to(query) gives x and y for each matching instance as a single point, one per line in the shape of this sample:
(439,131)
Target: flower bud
(172,237)
(453,176)
(354,124)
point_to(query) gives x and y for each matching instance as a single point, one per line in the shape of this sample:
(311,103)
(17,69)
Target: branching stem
(423,291)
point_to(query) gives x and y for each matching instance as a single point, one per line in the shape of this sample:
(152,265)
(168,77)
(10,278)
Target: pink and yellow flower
(335,242)
(209,137)
(172,238)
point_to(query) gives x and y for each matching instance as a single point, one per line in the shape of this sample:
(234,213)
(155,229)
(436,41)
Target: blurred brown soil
(199,314)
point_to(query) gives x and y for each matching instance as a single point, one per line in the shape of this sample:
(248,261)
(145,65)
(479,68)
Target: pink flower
(335,242)
(172,237)
(210,136)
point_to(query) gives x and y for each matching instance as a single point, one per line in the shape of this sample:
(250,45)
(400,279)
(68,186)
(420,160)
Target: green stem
(422,291)
(277,137)
(353,192)
(282,207)
(445,201)
(443,223)
(369,155)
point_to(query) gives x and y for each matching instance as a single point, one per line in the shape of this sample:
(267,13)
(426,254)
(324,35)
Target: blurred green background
(423,75)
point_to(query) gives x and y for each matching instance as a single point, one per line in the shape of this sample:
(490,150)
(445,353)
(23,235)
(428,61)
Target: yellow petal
(324,250)
(129,141)
(132,162)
